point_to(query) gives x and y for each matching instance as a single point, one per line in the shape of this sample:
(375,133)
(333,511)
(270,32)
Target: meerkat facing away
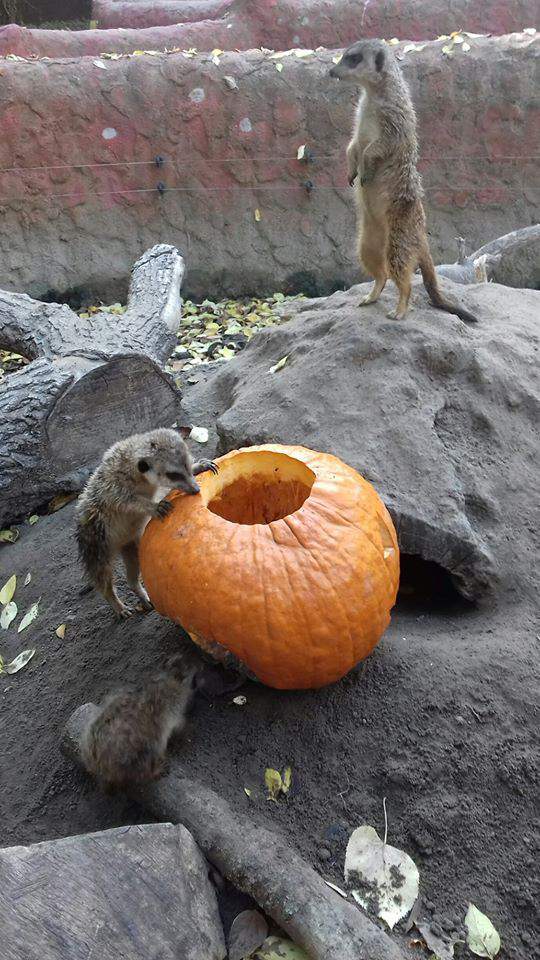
(119,499)
(127,742)
(382,158)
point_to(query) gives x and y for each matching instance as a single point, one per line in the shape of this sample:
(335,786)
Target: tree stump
(90,382)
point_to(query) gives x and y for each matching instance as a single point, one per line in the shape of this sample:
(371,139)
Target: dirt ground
(440,720)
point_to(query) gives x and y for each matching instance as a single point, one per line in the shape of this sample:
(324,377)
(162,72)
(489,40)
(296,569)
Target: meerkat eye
(354,59)
(143,466)
(173,476)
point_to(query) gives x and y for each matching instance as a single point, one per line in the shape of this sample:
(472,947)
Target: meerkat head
(164,461)
(363,63)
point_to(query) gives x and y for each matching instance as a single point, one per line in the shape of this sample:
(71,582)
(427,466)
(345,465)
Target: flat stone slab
(132,893)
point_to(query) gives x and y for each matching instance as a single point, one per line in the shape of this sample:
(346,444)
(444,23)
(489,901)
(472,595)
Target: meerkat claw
(163,509)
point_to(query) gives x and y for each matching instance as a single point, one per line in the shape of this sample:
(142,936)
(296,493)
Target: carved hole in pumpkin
(259,487)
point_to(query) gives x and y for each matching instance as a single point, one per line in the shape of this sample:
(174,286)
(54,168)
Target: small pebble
(447,924)
(436,929)
(430,907)
(526,937)
(457,921)
(323,853)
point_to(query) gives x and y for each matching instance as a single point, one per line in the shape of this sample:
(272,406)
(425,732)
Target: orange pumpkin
(287,557)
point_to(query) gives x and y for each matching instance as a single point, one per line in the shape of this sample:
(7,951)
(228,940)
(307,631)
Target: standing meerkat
(119,499)
(127,742)
(382,158)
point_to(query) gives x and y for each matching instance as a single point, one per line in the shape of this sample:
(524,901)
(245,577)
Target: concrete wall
(66,228)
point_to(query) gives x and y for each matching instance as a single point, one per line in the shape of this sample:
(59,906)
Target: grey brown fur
(381,159)
(127,741)
(119,499)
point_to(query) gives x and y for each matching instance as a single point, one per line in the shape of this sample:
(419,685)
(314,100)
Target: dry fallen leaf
(248,931)
(8,614)
(301,152)
(247,791)
(29,616)
(337,59)
(231,83)
(387,878)
(199,434)
(99,63)
(7,591)
(279,365)
(279,67)
(274,783)
(60,501)
(61,631)
(482,937)
(19,662)
(466,47)
(240,701)
(442,949)
(27,579)
(257,214)
(277,948)
(9,536)
(33,519)
(286,780)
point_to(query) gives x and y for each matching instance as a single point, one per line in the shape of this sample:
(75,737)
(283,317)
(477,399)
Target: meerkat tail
(431,283)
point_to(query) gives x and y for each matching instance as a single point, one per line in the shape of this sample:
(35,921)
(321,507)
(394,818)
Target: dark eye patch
(353,59)
(143,466)
(173,476)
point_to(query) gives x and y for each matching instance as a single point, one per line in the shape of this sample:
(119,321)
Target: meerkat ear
(143,466)
(184,432)
(379,60)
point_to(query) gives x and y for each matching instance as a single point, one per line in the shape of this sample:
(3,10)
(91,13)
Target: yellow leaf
(257,214)
(279,365)
(393,41)
(29,616)
(9,536)
(337,59)
(138,53)
(19,662)
(247,791)
(93,25)
(274,783)
(61,631)
(33,519)
(286,780)
(466,47)
(7,591)
(279,67)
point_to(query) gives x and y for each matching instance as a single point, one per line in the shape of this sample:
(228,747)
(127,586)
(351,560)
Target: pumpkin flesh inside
(259,489)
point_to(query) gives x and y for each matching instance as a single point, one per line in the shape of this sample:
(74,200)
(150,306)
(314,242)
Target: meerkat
(127,742)
(381,159)
(119,499)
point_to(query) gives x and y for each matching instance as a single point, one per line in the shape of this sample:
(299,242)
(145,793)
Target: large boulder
(440,416)
(132,892)
(235,195)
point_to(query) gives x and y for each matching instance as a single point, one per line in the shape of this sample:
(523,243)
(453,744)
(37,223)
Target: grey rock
(441,417)
(131,892)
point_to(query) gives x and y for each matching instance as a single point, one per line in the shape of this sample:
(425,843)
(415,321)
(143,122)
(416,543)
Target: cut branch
(91,382)
(259,863)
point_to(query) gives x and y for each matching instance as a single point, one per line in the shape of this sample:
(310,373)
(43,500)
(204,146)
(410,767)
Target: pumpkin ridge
(300,604)
(361,530)
(340,604)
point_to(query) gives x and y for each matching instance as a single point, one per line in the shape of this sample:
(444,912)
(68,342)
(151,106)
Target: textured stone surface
(132,892)
(328,22)
(230,152)
(442,418)
(245,24)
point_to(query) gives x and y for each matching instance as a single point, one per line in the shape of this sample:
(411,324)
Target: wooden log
(91,382)
(258,862)
(513,260)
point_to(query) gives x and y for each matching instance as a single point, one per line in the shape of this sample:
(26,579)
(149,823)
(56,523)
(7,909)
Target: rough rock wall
(246,24)
(327,21)
(235,203)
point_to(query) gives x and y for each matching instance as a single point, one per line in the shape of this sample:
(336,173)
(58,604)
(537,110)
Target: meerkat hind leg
(375,292)
(130,555)
(107,589)
(403,283)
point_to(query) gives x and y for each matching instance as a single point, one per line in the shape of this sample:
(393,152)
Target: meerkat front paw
(203,465)
(162,509)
